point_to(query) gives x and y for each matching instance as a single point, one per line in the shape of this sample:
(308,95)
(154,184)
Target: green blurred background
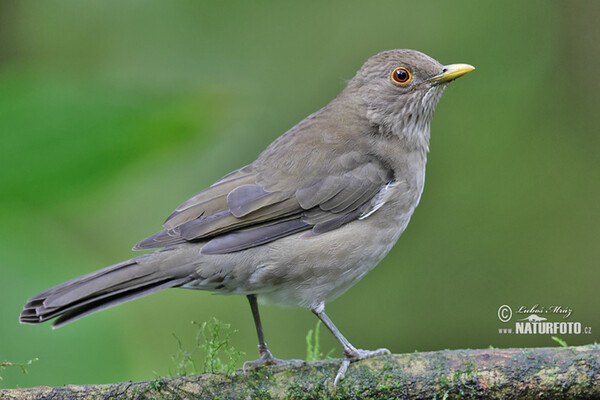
(112,113)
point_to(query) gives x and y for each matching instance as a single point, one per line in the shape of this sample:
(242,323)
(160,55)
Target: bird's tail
(105,288)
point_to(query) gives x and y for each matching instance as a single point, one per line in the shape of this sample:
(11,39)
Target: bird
(319,208)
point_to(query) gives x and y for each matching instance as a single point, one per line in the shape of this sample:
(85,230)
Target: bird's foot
(266,358)
(352,355)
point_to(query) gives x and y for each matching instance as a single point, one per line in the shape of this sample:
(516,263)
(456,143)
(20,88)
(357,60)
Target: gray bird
(316,211)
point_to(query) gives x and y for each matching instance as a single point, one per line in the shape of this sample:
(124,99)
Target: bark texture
(536,373)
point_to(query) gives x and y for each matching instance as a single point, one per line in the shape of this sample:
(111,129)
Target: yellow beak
(451,72)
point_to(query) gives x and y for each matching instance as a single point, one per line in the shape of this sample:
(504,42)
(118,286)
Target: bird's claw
(353,355)
(266,358)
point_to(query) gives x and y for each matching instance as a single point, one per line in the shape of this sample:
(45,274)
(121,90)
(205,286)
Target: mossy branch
(529,373)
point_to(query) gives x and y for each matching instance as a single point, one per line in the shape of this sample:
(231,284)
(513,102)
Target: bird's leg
(351,353)
(266,358)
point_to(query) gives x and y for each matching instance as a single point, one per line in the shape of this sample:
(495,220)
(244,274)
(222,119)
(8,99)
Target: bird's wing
(271,199)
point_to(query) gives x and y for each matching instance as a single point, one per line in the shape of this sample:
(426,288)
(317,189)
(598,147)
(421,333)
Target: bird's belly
(305,271)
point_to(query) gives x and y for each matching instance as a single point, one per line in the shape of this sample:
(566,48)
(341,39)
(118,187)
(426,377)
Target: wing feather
(210,200)
(244,239)
(262,202)
(245,199)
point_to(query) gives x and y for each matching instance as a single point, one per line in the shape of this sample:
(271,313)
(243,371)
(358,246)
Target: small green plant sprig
(560,341)
(23,366)
(313,346)
(213,339)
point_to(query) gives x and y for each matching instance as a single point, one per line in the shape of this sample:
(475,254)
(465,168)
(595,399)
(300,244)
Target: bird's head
(400,90)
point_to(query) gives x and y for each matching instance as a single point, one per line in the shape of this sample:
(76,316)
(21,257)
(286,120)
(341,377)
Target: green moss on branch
(557,373)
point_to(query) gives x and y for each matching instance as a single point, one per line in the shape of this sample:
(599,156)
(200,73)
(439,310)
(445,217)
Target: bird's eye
(401,76)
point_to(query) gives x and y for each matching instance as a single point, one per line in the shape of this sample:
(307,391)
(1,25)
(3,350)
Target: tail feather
(113,282)
(42,312)
(103,289)
(79,280)
(112,301)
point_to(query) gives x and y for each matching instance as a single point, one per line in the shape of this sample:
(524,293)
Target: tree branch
(530,373)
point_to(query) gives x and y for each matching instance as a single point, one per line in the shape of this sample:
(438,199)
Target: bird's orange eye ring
(401,76)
